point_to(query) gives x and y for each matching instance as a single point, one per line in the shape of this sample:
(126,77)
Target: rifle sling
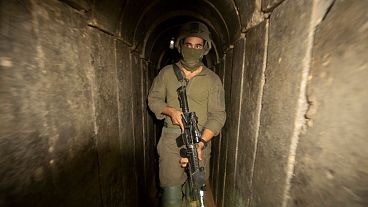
(178,73)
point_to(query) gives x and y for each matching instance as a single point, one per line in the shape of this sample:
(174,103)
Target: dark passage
(75,129)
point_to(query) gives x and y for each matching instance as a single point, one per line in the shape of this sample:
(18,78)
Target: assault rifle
(190,137)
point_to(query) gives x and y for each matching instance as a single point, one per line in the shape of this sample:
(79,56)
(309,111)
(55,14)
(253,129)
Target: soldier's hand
(176,118)
(200,147)
(183,161)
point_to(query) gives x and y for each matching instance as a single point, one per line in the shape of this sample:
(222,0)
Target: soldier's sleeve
(216,115)
(157,95)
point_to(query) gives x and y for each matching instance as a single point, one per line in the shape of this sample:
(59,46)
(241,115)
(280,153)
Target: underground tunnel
(75,128)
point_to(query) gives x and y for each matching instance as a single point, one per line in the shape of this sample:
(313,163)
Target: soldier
(205,97)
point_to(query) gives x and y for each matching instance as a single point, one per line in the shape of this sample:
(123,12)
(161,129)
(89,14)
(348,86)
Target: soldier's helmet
(194,29)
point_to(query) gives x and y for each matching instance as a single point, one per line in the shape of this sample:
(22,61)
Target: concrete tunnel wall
(75,129)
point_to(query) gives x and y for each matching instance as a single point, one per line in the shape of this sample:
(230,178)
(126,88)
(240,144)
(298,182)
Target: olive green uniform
(205,97)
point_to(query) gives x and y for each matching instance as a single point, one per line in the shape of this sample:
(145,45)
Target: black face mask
(192,58)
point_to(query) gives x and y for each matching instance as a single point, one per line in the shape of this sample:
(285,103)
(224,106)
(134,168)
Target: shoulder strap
(178,73)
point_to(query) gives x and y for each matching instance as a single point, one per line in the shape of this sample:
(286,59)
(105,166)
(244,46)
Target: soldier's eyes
(188,45)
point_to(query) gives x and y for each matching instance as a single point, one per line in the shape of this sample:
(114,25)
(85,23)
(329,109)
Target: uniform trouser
(170,171)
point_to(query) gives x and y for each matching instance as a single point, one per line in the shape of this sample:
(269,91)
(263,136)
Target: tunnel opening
(75,129)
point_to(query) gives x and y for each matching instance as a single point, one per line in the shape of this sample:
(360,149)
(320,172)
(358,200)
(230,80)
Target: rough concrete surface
(66,119)
(216,147)
(286,51)
(232,127)
(332,157)
(106,112)
(214,161)
(151,157)
(229,13)
(269,5)
(151,143)
(220,186)
(124,76)
(249,116)
(246,10)
(106,15)
(137,97)
(74,124)
(47,125)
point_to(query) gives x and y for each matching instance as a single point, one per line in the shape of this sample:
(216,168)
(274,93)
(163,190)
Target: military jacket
(205,94)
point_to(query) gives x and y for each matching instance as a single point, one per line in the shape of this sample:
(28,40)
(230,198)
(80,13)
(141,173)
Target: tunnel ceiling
(144,24)
(159,14)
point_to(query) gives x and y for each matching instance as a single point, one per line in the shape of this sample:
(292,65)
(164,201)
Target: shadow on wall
(31,175)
